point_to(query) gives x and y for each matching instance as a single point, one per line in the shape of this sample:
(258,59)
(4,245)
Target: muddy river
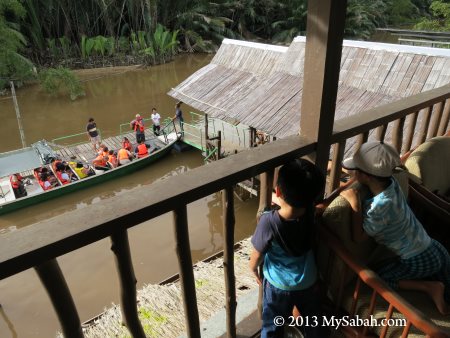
(111,99)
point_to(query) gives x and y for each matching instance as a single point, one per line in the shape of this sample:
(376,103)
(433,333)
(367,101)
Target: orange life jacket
(126,145)
(15,181)
(122,154)
(140,125)
(142,150)
(113,160)
(100,161)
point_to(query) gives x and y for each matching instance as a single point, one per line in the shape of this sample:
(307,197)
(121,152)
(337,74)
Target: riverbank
(161,306)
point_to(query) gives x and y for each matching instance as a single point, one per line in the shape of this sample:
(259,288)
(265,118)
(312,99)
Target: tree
(13,65)
(440,17)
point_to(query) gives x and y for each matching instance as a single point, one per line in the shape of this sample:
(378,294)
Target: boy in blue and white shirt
(283,238)
(423,264)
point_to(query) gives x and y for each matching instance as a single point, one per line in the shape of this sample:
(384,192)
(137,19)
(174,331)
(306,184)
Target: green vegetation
(439,19)
(13,65)
(93,33)
(61,81)
(151,320)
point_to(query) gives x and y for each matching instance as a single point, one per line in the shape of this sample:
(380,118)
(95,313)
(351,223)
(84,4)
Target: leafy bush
(61,81)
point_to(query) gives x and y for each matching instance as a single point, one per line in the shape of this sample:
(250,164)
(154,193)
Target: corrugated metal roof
(260,85)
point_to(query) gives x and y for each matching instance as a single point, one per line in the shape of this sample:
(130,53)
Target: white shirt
(155,118)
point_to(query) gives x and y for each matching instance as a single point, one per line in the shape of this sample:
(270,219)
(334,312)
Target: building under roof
(260,85)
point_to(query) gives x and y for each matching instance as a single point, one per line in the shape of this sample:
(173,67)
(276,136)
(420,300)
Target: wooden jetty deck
(85,152)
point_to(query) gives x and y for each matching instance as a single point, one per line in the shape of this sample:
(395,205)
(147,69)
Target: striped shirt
(390,221)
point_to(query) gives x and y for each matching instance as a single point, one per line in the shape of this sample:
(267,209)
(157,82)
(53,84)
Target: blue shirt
(288,263)
(390,221)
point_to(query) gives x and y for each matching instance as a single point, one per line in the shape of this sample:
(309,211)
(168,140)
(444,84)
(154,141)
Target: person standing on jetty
(179,114)
(283,240)
(156,118)
(92,132)
(138,126)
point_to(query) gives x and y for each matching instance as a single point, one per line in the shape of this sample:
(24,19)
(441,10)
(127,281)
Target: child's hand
(352,196)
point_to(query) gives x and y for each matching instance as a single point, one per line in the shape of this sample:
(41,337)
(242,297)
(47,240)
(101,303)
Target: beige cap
(374,158)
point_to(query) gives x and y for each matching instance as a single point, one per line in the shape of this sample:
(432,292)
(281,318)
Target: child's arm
(256,259)
(352,196)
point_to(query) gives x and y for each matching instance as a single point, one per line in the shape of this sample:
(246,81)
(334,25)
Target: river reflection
(90,272)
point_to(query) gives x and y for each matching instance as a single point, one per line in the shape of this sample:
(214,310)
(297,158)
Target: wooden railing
(40,244)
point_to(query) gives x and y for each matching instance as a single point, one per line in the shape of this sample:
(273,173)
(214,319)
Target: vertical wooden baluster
(405,331)
(373,301)
(228,260)
(53,280)
(436,119)
(183,249)
(362,138)
(355,297)
(120,246)
(388,316)
(397,137)
(444,120)
(336,166)
(381,132)
(265,191)
(410,131)
(425,124)
(265,202)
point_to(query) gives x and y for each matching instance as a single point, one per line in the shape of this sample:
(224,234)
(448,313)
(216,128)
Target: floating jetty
(160,306)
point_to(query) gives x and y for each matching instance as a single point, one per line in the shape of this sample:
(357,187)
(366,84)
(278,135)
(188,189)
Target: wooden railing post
(228,260)
(121,248)
(265,191)
(425,124)
(397,135)
(445,119)
(336,167)
(410,131)
(53,280)
(436,119)
(183,250)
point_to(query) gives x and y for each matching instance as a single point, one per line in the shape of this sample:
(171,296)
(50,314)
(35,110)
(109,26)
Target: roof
(260,85)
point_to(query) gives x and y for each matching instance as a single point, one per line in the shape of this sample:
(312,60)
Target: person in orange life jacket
(141,150)
(62,174)
(45,181)
(138,126)
(112,160)
(126,144)
(17,185)
(124,156)
(100,161)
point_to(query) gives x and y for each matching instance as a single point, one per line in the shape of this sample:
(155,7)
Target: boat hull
(86,182)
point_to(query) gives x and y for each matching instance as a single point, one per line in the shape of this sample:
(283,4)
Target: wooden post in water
(53,280)
(228,260)
(183,250)
(19,118)
(219,145)
(121,248)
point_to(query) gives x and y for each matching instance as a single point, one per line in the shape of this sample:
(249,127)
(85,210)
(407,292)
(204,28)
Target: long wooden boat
(29,160)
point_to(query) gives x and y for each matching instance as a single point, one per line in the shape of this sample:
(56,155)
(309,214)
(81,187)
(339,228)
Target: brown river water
(25,309)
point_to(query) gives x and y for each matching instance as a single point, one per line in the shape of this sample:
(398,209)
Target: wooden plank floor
(85,152)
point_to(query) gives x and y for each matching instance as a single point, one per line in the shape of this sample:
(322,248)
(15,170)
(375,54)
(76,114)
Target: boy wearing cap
(388,219)
(283,239)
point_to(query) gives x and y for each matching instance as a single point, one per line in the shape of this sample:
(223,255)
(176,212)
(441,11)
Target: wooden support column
(228,260)
(425,124)
(410,131)
(397,135)
(53,280)
(219,145)
(206,128)
(183,249)
(121,248)
(324,36)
